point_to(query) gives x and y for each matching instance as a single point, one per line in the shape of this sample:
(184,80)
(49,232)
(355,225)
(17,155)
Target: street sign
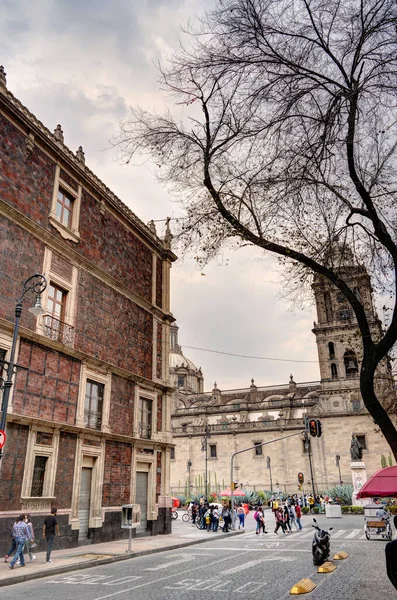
(2,438)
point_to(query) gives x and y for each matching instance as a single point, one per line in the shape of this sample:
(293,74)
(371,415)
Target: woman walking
(279,520)
(28,543)
(241,516)
(286,519)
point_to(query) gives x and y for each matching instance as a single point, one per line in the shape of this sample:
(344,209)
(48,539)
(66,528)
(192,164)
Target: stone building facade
(247,417)
(88,426)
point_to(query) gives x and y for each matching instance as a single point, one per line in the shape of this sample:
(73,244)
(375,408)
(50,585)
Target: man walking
(20,533)
(298,513)
(50,528)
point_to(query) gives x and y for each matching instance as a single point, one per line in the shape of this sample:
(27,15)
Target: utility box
(130,516)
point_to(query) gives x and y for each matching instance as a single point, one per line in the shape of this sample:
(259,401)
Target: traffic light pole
(311,466)
(246,450)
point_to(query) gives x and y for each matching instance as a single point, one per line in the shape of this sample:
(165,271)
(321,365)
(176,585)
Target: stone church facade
(248,417)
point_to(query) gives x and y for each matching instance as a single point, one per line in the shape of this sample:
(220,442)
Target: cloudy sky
(83,63)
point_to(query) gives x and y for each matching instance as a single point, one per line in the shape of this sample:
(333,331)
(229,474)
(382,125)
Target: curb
(101,561)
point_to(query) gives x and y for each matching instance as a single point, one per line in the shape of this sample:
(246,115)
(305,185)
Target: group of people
(308,500)
(285,516)
(210,516)
(23,538)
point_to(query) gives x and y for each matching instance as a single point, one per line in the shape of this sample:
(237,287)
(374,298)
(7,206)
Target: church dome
(183,372)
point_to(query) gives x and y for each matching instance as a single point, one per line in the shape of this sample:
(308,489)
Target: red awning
(236,492)
(383,483)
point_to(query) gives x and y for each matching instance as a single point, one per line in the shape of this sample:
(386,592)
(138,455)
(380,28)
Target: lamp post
(204,447)
(269,466)
(36,284)
(337,460)
(189,466)
(308,448)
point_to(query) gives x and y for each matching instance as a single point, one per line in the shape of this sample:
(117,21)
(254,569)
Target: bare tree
(288,142)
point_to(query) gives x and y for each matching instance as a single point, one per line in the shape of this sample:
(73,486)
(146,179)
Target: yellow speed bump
(303,586)
(341,555)
(326,567)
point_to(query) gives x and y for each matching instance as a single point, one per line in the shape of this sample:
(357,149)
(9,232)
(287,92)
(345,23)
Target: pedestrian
(194,512)
(29,543)
(226,519)
(20,532)
(298,513)
(310,501)
(279,520)
(208,519)
(292,516)
(13,543)
(215,519)
(286,519)
(241,516)
(50,528)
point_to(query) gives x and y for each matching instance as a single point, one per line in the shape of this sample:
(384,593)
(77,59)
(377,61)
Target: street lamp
(36,284)
(309,450)
(204,447)
(270,472)
(337,460)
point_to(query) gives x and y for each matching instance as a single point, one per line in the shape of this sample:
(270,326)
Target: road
(246,566)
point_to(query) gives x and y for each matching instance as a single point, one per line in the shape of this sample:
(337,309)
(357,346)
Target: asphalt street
(249,566)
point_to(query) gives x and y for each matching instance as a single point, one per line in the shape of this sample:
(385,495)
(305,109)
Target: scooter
(320,544)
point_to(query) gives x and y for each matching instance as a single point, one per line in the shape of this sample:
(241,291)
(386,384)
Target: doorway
(141,498)
(85,502)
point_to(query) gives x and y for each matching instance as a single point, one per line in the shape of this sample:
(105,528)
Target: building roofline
(31,122)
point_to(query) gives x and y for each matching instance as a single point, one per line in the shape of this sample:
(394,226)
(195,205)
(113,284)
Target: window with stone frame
(258,449)
(145,417)
(64,207)
(93,405)
(39,473)
(331,350)
(54,320)
(181,380)
(213,452)
(172,453)
(351,364)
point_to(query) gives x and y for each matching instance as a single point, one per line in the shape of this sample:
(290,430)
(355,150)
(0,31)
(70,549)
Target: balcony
(93,419)
(145,431)
(57,330)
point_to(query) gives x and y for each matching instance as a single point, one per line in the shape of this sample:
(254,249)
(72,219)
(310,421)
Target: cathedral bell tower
(338,337)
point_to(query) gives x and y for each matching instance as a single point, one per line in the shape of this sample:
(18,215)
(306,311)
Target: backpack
(255,515)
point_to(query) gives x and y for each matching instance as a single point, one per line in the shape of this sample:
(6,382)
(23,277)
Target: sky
(83,64)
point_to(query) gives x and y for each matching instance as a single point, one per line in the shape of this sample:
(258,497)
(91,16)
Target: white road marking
(253,563)
(182,558)
(352,534)
(338,534)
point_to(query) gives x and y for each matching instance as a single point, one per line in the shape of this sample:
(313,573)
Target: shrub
(316,510)
(343,493)
(352,510)
(305,510)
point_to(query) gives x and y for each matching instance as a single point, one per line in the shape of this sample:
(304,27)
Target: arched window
(331,349)
(328,307)
(334,371)
(351,364)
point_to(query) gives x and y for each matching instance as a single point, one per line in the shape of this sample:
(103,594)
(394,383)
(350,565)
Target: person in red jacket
(298,513)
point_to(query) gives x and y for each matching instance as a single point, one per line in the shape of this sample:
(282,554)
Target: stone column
(359,477)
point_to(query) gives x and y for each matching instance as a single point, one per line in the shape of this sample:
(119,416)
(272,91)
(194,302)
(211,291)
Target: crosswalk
(305,534)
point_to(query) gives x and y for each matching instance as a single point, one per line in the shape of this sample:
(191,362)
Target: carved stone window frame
(68,233)
(99,377)
(33,449)
(148,395)
(70,287)
(5,344)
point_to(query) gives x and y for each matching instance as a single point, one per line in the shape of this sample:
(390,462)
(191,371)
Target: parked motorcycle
(320,544)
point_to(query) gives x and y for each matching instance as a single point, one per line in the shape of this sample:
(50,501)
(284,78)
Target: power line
(252,357)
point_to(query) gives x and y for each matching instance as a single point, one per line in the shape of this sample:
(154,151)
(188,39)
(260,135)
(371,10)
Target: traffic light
(319,428)
(300,488)
(234,485)
(313,427)
(301,479)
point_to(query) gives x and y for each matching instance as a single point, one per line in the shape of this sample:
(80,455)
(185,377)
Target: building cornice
(59,150)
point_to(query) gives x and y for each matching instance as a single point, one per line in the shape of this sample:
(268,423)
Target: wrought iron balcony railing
(92,419)
(58,330)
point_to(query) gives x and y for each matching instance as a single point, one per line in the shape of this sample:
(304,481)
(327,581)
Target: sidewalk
(93,555)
